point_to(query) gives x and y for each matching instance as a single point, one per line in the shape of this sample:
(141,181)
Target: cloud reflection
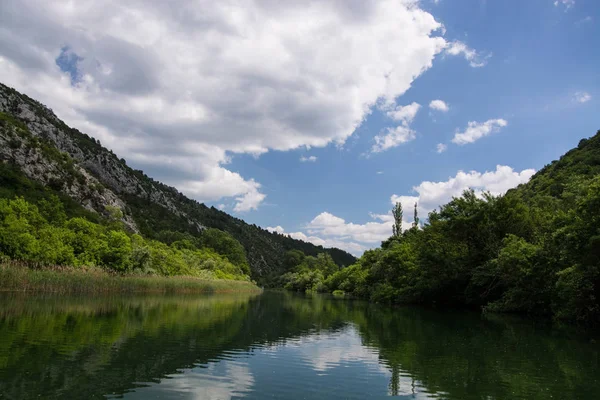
(222,380)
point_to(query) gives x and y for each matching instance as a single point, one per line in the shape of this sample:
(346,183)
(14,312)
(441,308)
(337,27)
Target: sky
(312,118)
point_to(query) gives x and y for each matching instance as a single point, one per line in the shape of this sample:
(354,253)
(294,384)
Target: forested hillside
(535,250)
(37,148)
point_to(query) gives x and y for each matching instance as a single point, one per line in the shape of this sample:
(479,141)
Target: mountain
(36,143)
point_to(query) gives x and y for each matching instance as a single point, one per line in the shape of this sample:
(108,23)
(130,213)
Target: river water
(282,346)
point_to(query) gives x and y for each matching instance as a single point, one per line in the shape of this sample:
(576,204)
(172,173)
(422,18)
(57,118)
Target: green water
(281,346)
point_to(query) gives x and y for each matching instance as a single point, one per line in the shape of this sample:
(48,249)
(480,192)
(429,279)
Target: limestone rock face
(100,177)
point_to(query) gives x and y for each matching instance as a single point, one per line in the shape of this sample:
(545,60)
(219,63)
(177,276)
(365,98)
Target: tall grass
(19,277)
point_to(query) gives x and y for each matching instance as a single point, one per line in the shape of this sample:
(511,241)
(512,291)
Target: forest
(534,250)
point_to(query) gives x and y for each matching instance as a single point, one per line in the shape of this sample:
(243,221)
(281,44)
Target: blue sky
(543,57)
(228,121)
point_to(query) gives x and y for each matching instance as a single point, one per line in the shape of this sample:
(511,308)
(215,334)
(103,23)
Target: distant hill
(38,144)
(579,164)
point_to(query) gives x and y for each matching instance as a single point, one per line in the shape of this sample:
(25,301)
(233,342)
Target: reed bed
(20,277)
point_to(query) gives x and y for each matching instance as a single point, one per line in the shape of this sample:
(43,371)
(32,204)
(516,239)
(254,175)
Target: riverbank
(67,280)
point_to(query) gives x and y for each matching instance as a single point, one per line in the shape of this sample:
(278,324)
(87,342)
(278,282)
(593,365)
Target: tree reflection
(88,348)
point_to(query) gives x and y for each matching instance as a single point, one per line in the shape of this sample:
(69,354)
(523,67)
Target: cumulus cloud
(439,105)
(249,200)
(430,195)
(277,229)
(179,90)
(349,246)
(218,182)
(582,97)
(348,235)
(441,147)
(477,130)
(393,137)
(308,159)
(404,114)
(475,59)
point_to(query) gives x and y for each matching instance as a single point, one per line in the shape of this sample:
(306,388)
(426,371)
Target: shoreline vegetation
(19,277)
(51,244)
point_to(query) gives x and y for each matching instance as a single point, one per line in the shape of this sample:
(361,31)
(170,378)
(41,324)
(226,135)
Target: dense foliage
(307,273)
(266,251)
(41,228)
(534,250)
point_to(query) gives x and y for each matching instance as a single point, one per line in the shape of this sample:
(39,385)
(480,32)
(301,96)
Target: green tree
(416,218)
(292,259)
(224,244)
(397,213)
(118,249)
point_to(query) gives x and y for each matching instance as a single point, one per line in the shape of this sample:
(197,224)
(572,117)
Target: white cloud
(221,206)
(404,114)
(477,130)
(582,97)
(277,229)
(177,91)
(223,379)
(349,246)
(475,59)
(325,351)
(565,3)
(431,195)
(308,159)
(393,137)
(439,105)
(379,172)
(402,133)
(249,200)
(441,147)
(219,182)
(328,225)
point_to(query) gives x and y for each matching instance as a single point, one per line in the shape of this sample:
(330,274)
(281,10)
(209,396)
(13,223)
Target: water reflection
(281,346)
(223,380)
(330,350)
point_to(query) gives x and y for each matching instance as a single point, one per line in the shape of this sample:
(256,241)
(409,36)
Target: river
(282,346)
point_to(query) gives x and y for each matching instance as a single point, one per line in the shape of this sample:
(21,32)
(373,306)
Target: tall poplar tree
(416,218)
(397,212)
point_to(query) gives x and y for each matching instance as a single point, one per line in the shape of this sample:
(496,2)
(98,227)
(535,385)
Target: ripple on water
(282,347)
